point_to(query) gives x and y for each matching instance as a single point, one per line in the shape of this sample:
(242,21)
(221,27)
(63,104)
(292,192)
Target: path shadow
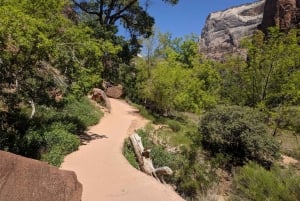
(87,137)
(133,112)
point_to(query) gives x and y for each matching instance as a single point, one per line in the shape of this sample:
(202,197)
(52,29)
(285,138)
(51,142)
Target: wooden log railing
(144,160)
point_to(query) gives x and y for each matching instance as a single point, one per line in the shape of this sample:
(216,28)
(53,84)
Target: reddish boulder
(282,13)
(23,179)
(114,91)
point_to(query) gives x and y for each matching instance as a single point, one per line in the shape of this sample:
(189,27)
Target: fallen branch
(33,108)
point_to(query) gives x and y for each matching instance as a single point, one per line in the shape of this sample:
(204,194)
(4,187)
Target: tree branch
(86,10)
(101,12)
(117,14)
(33,108)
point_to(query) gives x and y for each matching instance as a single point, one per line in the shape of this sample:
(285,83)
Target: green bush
(191,177)
(59,136)
(129,154)
(253,182)
(52,133)
(239,133)
(54,157)
(84,110)
(174,125)
(59,142)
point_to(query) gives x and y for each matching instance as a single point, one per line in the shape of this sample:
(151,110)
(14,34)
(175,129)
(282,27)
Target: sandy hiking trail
(102,169)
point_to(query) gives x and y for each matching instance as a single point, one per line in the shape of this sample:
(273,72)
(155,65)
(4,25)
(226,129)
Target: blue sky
(188,16)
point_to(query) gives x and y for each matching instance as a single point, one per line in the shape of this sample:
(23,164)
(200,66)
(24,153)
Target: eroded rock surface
(23,179)
(282,13)
(224,30)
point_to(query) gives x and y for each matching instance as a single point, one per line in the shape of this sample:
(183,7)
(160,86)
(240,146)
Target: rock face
(23,179)
(99,96)
(224,30)
(282,13)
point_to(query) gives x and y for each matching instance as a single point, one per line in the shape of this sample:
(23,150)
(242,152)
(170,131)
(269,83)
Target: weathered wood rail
(144,160)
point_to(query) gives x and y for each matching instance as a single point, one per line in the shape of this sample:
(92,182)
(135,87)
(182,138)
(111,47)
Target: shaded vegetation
(255,183)
(53,132)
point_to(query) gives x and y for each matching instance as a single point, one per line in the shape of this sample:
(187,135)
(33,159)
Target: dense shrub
(83,110)
(253,182)
(238,133)
(174,125)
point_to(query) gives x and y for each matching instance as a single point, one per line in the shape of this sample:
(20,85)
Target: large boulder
(99,96)
(23,179)
(224,30)
(282,13)
(114,91)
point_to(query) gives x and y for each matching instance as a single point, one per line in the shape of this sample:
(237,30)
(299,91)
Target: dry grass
(290,143)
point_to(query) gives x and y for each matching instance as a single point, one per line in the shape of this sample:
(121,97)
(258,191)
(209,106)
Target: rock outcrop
(23,179)
(224,30)
(282,13)
(99,96)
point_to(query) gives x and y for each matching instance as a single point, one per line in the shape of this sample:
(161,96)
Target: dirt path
(104,172)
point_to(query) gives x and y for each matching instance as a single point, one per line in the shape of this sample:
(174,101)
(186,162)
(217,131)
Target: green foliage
(129,154)
(273,69)
(105,18)
(289,119)
(255,183)
(175,79)
(44,54)
(192,176)
(238,133)
(59,142)
(52,133)
(270,75)
(234,86)
(84,110)
(174,125)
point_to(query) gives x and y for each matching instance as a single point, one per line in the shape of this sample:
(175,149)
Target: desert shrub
(253,182)
(238,133)
(174,125)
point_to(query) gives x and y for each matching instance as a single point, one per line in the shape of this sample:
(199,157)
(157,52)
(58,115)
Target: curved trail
(102,169)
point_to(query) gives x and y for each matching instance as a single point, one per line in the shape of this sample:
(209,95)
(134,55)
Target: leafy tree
(106,16)
(273,66)
(132,16)
(233,84)
(239,134)
(170,83)
(42,53)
